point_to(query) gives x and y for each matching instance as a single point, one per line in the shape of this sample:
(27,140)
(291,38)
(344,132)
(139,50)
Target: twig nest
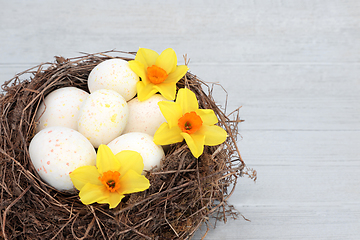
(184,191)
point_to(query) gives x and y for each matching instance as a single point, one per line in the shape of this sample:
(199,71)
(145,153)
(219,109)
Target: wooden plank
(211,31)
(289,96)
(307,187)
(295,222)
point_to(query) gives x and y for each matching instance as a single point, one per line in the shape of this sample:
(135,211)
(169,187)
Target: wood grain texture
(293,66)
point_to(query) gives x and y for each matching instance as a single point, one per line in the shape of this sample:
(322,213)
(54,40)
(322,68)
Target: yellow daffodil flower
(158,73)
(186,121)
(113,176)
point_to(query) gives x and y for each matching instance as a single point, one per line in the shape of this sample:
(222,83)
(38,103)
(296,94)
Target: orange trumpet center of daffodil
(156,74)
(190,122)
(111,180)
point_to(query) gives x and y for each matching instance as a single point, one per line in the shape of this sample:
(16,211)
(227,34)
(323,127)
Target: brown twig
(8,208)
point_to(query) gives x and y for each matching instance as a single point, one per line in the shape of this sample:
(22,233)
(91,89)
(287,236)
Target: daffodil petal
(113,199)
(85,174)
(167,60)
(171,112)
(130,160)
(214,135)
(195,142)
(106,160)
(187,100)
(176,75)
(133,182)
(147,57)
(139,69)
(145,91)
(165,135)
(167,90)
(91,193)
(112,196)
(207,116)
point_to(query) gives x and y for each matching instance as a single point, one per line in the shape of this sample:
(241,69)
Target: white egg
(114,74)
(145,116)
(141,143)
(57,151)
(61,108)
(103,116)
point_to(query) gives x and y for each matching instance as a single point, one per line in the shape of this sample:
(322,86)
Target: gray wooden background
(293,66)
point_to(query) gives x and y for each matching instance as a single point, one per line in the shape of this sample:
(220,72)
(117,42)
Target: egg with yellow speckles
(114,74)
(142,143)
(57,151)
(103,116)
(61,108)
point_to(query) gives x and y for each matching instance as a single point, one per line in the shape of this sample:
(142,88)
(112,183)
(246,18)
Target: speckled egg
(103,116)
(145,116)
(57,151)
(141,143)
(61,108)
(114,74)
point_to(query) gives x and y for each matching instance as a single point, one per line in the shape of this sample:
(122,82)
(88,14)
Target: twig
(8,208)
(168,221)
(54,237)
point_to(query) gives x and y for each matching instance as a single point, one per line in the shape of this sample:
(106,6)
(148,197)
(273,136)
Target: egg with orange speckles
(57,151)
(142,143)
(114,74)
(103,116)
(145,116)
(61,108)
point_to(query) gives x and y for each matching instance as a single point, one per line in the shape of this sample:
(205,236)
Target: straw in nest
(182,196)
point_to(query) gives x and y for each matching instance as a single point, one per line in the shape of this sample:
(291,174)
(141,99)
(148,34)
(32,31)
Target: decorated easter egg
(57,151)
(114,74)
(141,143)
(61,108)
(145,116)
(103,116)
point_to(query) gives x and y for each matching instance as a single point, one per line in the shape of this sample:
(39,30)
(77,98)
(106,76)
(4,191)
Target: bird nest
(184,193)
